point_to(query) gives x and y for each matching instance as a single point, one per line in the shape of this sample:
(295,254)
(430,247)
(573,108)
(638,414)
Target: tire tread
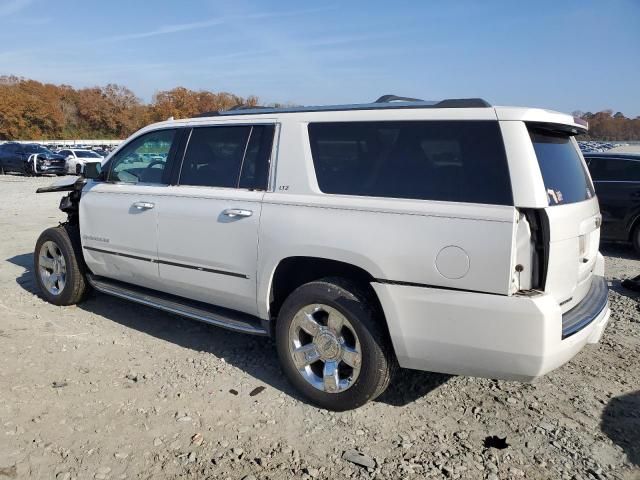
(372,322)
(67,237)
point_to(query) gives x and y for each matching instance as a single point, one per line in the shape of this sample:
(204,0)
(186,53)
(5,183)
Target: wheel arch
(294,271)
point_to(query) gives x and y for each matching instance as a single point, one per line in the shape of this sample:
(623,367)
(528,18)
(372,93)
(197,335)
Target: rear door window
(455,161)
(614,169)
(565,178)
(228,157)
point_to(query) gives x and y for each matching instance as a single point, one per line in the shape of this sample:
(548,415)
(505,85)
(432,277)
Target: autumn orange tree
(606,125)
(34,110)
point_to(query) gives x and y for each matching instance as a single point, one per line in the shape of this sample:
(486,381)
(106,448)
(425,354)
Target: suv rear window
(565,178)
(455,161)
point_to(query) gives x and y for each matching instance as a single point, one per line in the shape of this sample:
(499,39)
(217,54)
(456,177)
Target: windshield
(565,178)
(35,149)
(86,154)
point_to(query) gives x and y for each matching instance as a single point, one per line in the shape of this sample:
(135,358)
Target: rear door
(208,230)
(573,215)
(119,216)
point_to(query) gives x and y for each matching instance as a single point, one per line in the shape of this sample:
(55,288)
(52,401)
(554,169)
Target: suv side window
(255,167)
(455,161)
(228,157)
(144,159)
(614,169)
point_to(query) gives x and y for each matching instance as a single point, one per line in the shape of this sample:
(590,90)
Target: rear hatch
(573,215)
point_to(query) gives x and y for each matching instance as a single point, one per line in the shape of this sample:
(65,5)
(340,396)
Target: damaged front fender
(69,203)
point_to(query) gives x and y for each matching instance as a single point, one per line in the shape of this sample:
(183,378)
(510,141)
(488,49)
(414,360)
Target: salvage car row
(35,159)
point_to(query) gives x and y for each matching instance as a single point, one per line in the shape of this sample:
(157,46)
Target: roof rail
(395,98)
(213,113)
(383,103)
(242,106)
(462,103)
(235,108)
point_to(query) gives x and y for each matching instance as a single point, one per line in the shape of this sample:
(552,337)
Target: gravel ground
(109,389)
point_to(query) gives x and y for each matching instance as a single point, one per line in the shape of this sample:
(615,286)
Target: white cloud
(213,22)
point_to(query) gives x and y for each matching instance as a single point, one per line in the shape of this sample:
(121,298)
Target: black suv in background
(616,177)
(17,157)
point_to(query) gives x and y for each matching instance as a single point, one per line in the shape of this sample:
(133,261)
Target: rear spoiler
(581,122)
(581,127)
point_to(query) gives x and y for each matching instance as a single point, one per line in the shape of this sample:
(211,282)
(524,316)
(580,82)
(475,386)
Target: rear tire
(348,360)
(59,269)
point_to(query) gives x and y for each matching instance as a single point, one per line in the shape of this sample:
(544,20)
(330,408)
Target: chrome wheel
(52,268)
(325,348)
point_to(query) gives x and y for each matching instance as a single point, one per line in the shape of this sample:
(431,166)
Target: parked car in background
(616,177)
(77,158)
(102,152)
(30,159)
(588,146)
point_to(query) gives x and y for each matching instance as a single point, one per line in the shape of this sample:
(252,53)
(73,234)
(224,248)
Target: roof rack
(395,98)
(384,102)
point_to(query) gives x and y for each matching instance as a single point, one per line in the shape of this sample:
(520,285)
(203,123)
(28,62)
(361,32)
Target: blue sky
(562,54)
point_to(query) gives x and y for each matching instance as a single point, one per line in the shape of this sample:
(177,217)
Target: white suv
(77,158)
(452,237)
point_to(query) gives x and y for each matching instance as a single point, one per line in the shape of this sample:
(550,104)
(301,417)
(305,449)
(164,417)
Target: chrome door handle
(237,212)
(143,205)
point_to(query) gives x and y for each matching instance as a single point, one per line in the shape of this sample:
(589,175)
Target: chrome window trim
(276,136)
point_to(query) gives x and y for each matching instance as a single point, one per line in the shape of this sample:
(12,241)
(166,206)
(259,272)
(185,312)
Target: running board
(218,316)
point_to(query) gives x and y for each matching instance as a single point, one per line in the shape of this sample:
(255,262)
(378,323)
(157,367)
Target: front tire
(333,345)
(59,268)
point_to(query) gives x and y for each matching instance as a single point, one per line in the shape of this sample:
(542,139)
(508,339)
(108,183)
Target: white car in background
(77,158)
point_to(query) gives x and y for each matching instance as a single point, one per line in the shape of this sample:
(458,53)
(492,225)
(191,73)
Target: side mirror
(92,170)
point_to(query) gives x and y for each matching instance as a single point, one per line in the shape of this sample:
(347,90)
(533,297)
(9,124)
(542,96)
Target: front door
(208,230)
(119,216)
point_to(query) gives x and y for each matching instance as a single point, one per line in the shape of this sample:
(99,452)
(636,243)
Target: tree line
(38,111)
(607,125)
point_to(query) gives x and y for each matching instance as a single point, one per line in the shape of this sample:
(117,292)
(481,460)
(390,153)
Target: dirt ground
(109,389)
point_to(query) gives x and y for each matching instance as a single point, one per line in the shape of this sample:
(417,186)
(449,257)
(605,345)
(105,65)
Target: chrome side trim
(217,318)
(167,262)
